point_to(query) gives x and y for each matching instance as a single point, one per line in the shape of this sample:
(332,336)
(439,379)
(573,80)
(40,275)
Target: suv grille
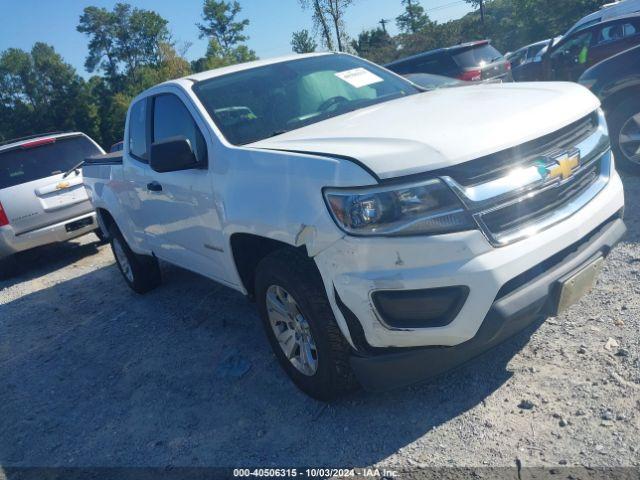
(521,191)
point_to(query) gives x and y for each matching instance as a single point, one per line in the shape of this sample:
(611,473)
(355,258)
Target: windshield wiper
(75,168)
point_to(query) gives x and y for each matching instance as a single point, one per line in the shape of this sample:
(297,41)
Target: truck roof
(197,77)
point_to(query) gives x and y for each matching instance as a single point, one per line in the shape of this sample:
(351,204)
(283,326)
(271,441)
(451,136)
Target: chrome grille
(511,203)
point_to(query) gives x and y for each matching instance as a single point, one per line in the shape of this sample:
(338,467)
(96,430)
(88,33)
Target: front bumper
(356,267)
(11,243)
(516,307)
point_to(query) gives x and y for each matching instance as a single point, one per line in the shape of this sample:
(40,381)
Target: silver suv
(42,198)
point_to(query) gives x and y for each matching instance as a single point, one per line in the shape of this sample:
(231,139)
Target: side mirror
(172,154)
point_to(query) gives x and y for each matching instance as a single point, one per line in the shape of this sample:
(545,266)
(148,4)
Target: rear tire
(141,272)
(293,282)
(621,122)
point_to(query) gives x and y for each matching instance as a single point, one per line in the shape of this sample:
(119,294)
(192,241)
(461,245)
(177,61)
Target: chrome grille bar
(524,185)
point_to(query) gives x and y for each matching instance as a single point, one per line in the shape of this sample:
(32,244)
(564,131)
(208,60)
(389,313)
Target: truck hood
(441,128)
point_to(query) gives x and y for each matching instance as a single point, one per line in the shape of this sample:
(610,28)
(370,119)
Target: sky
(271,22)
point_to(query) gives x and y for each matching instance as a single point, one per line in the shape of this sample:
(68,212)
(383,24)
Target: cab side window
(617,31)
(172,119)
(137,141)
(573,47)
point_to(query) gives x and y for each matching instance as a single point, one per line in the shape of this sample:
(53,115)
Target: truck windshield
(262,102)
(25,164)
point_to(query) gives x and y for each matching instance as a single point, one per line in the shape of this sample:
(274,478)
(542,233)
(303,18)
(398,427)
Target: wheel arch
(248,249)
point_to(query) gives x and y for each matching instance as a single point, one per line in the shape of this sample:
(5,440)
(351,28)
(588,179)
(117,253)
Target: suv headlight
(424,208)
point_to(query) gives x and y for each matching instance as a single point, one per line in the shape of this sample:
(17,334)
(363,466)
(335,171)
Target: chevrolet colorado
(386,233)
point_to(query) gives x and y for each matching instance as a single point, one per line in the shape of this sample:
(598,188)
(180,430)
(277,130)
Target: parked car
(42,198)
(474,61)
(572,55)
(616,81)
(116,147)
(430,82)
(387,234)
(526,61)
(608,11)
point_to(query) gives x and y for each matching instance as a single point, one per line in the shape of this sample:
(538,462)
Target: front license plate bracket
(573,286)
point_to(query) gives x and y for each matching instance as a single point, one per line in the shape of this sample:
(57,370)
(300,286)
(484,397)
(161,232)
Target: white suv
(42,199)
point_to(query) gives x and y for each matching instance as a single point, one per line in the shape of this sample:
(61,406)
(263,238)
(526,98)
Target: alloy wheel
(292,331)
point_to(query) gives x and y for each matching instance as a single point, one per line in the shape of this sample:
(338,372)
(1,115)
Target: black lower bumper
(519,303)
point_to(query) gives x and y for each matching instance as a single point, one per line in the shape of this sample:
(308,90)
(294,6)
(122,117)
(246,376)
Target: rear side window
(22,165)
(475,56)
(436,64)
(617,31)
(172,119)
(138,130)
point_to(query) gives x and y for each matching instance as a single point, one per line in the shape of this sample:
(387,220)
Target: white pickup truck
(387,233)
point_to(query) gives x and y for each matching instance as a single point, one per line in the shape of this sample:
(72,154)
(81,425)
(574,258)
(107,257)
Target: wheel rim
(123,261)
(292,331)
(629,139)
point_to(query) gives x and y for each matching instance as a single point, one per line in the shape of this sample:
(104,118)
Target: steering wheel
(332,102)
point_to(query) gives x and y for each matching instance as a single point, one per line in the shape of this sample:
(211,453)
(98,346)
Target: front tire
(141,272)
(301,327)
(624,128)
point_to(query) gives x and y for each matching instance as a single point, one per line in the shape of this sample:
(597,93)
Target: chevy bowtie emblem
(564,166)
(62,185)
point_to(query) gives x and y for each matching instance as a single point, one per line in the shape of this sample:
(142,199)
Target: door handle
(154,186)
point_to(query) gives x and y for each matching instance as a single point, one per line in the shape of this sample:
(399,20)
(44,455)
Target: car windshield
(25,164)
(262,102)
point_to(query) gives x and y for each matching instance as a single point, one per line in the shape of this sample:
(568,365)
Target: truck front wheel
(141,272)
(300,325)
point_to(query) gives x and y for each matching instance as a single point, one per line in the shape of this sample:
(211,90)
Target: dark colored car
(617,82)
(474,61)
(576,52)
(117,147)
(525,62)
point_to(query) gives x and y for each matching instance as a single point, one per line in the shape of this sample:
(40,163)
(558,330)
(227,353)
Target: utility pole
(384,22)
(482,11)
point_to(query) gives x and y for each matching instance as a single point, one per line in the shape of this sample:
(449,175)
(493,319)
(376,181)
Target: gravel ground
(93,375)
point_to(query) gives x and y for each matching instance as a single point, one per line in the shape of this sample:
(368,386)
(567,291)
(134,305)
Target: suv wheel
(300,325)
(141,272)
(625,135)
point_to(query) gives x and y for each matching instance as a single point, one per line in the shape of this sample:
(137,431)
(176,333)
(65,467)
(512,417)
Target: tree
(413,19)
(480,5)
(225,36)
(336,9)
(328,15)
(302,42)
(375,45)
(39,92)
(220,23)
(123,40)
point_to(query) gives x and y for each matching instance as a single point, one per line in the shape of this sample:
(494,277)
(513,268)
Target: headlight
(424,208)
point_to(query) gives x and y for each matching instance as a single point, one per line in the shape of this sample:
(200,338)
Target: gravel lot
(93,375)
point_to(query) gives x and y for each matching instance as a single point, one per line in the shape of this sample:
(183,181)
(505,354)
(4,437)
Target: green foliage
(220,23)
(39,92)
(413,19)
(123,41)
(375,45)
(225,36)
(303,42)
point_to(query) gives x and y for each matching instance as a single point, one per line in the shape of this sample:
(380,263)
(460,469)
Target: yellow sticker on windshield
(358,77)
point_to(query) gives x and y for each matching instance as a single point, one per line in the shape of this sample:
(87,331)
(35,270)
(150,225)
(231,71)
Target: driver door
(187,224)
